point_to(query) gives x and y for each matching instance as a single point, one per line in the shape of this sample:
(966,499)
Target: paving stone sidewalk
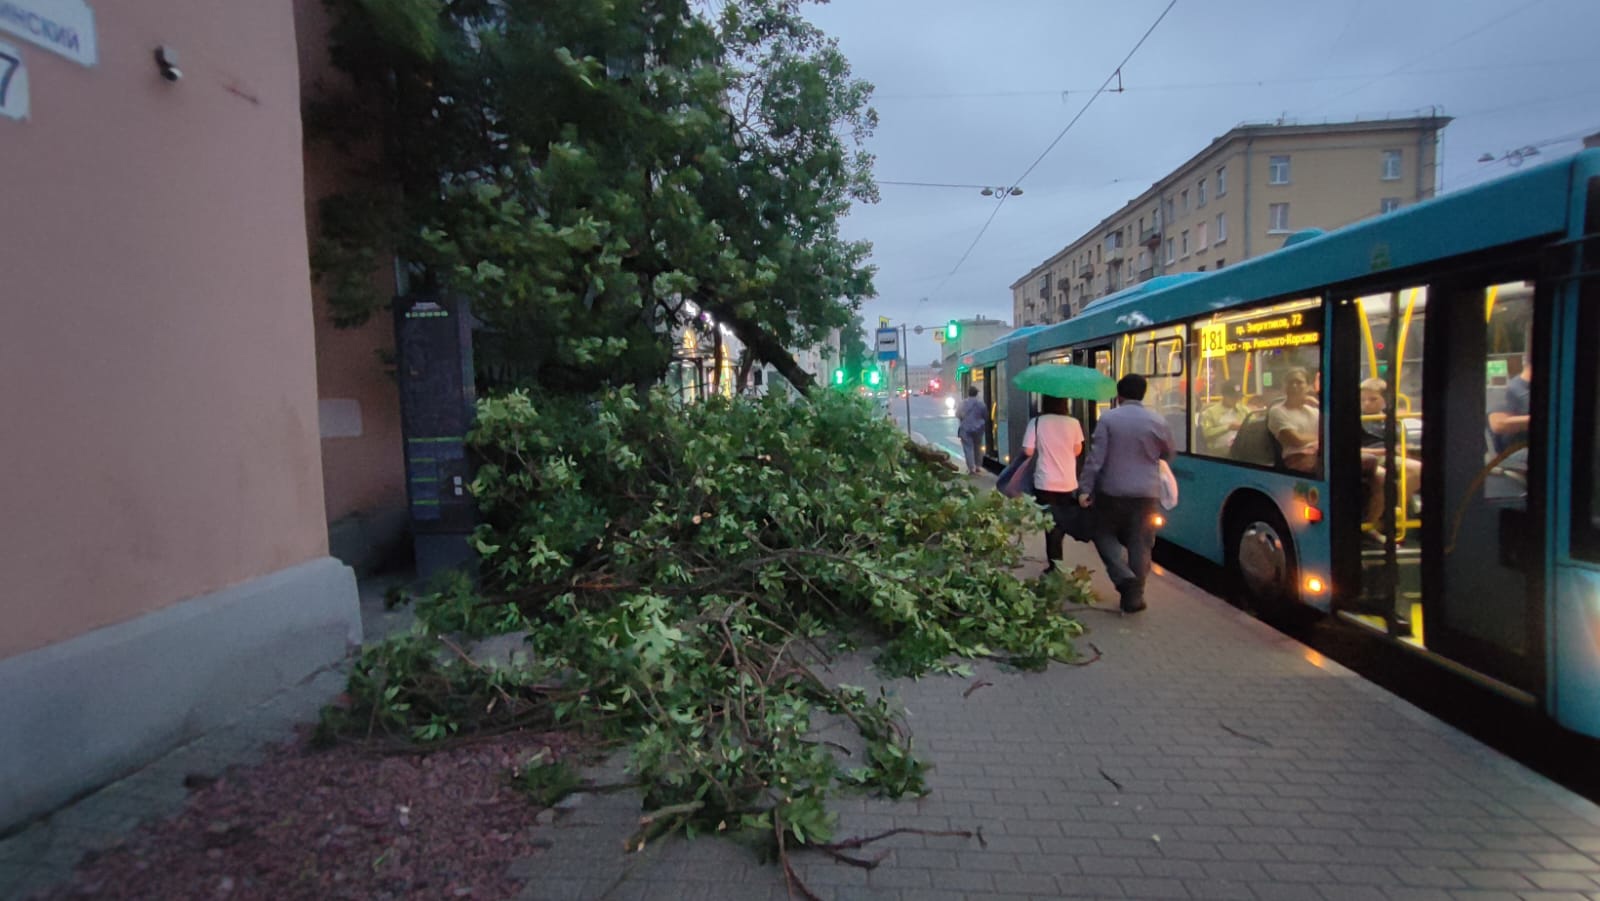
(1203,756)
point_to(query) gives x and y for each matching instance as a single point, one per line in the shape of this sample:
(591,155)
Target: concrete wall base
(372,540)
(86,711)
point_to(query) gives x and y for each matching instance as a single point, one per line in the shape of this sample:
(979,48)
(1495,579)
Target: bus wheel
(1261,557)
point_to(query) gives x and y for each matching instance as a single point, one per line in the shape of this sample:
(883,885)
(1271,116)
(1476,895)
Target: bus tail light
(1310,513)
(1315,585)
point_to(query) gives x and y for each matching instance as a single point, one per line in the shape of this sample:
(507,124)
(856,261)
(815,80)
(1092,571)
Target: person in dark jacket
(1122,479)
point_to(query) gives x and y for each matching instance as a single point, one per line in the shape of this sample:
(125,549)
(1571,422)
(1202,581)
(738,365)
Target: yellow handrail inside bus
(1405,332)
(1488,308)
(1366,332)
(1403,522)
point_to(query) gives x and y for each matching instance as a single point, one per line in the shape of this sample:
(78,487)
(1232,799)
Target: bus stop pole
(905,358)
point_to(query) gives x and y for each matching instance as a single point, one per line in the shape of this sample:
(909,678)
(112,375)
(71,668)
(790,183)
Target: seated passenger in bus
(1374,444)
(1220,422)
(1510,418)
(1297,424)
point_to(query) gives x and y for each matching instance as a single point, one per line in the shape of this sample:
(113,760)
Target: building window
(1278,170)
(1222,261)
(1222,227)
(1278,217)
(1186,242)
(1390,204)
(1222,181)
(1170,256)
(1200,237)
(1200,193)
(1391,165)
(1170,216)
(1185,196)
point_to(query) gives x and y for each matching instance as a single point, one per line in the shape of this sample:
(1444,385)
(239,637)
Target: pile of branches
(678,571)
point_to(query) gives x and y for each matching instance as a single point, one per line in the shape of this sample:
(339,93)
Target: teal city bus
(1410,435)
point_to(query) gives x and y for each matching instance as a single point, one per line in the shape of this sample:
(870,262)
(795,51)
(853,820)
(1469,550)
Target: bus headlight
(949,406)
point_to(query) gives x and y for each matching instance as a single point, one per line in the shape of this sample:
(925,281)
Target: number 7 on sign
(13,84)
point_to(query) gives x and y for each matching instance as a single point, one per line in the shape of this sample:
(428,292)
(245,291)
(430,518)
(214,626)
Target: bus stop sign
(888,343)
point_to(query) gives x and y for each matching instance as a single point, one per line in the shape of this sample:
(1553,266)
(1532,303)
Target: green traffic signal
(953,330)
(874,377)
(838,376)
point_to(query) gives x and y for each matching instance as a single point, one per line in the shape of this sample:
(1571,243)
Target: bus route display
(1276,331)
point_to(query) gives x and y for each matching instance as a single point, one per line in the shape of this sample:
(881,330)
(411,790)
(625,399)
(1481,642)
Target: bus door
(1483,480)
(1089,412)
(993,401)
(1377,403)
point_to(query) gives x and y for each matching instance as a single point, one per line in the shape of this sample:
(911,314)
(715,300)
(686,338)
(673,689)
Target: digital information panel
(1275,332)
(433,349)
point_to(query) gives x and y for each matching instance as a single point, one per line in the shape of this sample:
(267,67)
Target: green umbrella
(1065,380)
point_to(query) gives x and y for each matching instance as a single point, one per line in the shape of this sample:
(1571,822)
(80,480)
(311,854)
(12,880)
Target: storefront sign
(13,83)
(60,26)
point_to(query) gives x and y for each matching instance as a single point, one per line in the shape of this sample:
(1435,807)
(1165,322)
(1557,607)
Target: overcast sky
(973,91)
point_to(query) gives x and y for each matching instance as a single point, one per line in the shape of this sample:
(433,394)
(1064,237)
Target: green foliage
(581,170)
(547,781)
(678,570)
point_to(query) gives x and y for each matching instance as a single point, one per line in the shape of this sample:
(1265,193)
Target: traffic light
(838,376)
(874,377)
(952,331)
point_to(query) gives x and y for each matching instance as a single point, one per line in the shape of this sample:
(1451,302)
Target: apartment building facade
(1238,198)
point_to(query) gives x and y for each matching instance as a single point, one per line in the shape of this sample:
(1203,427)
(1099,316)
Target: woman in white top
(1055,441)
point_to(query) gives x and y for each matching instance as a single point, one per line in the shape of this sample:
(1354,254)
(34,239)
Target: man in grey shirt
(974,419)
(1122,479)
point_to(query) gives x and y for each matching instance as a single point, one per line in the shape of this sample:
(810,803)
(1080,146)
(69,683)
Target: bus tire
(1261,556)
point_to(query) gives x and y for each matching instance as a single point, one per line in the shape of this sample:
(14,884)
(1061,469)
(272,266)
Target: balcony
(1150,237)
(1086,271)
(1147,273)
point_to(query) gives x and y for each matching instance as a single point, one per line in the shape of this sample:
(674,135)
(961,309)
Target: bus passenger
(1296,423)
(1220,422)
(973,420)
(1510,417)
(1374,449)
(1055,440)
(1122,479)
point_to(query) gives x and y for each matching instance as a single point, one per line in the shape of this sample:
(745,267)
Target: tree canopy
(579,169)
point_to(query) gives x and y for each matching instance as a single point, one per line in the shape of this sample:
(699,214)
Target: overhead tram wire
(1435,51)
(1240,83)
(1052,145)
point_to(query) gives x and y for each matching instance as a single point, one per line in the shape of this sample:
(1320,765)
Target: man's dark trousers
(1124,534)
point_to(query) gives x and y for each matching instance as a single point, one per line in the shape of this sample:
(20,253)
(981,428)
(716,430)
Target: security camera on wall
(167,62)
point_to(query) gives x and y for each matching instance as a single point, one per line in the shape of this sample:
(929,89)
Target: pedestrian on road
(1122,479)
(973,420)
(1054,440)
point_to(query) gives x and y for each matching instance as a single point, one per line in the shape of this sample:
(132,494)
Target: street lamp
(1001,192)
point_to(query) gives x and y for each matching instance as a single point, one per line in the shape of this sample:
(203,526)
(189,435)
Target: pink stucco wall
(159,420)
(366,472)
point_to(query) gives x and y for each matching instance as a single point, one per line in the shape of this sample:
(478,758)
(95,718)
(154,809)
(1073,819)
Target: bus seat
(1254,443)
